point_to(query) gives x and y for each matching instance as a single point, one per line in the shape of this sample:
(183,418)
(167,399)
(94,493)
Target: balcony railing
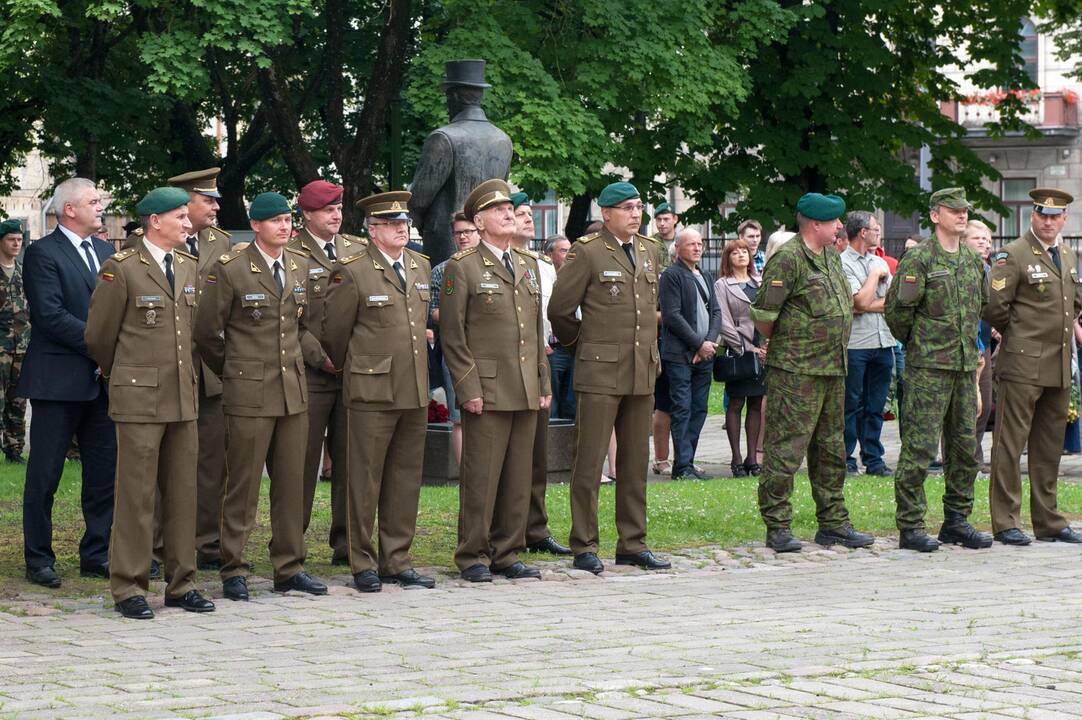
(1051,110)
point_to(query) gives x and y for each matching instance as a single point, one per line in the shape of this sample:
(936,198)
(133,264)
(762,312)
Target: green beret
(616,193)
(519,198)
(161,200)
(820,207)
(950,197)
(663,208)
(10,226)
(268,205)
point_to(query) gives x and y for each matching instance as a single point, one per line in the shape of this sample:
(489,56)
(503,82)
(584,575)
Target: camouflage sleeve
(1002,286)
(903,297)
(779,276)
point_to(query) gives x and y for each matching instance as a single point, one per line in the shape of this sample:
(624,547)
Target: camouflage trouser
(805,414)
(12,409)
(937,403)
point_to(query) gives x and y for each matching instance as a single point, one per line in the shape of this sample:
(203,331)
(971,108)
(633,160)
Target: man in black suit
(67,396)
(690,323)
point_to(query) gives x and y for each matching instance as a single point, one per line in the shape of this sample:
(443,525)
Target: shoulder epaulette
(418,254)
(298,251)
(186,254)
(543,257)
(350,258)
(124,254)
(137,232)
(230,256)
(525,251)
(463,253)
(588,238)
(226,233)
(353,239)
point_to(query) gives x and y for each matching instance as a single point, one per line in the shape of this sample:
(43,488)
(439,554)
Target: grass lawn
(682,514)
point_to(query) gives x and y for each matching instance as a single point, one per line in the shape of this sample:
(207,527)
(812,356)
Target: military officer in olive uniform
(1033,302)
(933,307)
(613,277)
(248,330)
(805,308)
(139,331)
(321,203)
(493,342)
(374,329)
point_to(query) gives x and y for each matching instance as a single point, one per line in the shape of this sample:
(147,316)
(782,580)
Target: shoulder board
(527,252)
(463,253)
(229,256)
(221,232)
(355,238)
(350,258)
(186,254)
(588,238)
(417,254)
(543,257)
(297,251)
(137,232)
(124,254)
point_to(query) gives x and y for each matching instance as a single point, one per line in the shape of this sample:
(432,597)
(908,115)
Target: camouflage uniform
(14,335)
(934,307)
(809,300)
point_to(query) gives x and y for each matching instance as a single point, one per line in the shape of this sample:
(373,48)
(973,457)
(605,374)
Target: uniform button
(636,295)
(523,358)
(636,327)
(414,337)
(414,352)
(636,342)
(638,312)
(179,347)
(133,381)
(239,372)
(521,342)
(283,368)
(597,357)
(178,332)
(519,309)
(369,369)
(283,318)
(283,352)
(521,325)
(283,334)
(516,292)
(180,362)
(411,323)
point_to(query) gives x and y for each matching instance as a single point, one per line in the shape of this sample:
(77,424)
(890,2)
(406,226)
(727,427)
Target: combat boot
(917,540)
(846,536)
(781,540)
(957,531)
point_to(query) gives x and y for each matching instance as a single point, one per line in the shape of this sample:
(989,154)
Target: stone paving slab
(878,633)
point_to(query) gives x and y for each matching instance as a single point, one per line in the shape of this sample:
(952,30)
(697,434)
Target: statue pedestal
(440,467)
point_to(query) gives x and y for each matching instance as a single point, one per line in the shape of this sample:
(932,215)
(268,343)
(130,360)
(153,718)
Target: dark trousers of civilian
(52,425)
(689,387)
(562,364)
(866,388)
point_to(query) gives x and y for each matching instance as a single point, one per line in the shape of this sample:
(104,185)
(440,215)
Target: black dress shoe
(548,545)
(477,574)
(301,582)
(645,559)
(958,531)
(191,601)
(340,561)
(589,562)
(410,578)
(845,536)
(1067,535)
(44,576)
(367,581)
(1012,536)
(208,564)
(95,571)
(155,570)
(135,608)
(780,540)
(917,540)
(738,469)
(235,588)
(519,570)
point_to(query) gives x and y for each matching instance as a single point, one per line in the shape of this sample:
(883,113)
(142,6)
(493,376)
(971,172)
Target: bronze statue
(456,158)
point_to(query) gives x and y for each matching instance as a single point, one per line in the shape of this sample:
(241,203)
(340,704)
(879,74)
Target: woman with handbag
(741,366)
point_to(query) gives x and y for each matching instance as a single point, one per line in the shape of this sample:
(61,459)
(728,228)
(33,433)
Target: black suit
(67,397)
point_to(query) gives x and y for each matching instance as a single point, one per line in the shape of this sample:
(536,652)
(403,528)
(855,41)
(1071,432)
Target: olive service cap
(161,200)
(663,208)
(820,207)
(485,195)
(954,198)
(267,205)
(616,193)
(10,226)
(392,205)
(519,198)
(319,194)
(1050,201)
(203,182)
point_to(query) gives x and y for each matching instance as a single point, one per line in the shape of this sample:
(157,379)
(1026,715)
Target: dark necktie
(278,276)
(329,247)
(401,275)
(89,258)
(169,271)
(193,245)
(630,252)
(1054,252)
(507,264)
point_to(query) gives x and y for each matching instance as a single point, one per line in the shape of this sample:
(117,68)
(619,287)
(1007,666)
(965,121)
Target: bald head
(689,247)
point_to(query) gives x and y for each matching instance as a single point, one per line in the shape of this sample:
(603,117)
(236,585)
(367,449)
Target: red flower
(437,412)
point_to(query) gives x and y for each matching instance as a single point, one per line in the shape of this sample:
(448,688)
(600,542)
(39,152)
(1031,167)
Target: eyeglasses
(460,233)
(632,208)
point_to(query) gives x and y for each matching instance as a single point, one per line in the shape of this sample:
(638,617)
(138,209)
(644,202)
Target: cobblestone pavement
(878,633)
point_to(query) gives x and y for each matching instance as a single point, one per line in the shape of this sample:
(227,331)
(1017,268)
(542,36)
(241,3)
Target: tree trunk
(578,217)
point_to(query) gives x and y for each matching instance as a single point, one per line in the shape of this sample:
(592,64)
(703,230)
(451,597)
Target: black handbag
(730,368)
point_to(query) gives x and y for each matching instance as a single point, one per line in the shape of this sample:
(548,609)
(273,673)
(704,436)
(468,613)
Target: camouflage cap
(1050,201)
(10,226)
(202,182)
(954,198)
(485,195)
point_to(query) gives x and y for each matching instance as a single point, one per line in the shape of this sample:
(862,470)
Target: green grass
(716,404)
(682,515)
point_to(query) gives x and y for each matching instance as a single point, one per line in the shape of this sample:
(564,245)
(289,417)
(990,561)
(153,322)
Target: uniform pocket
(370,378)
(596,365)
(242,383)
(381,306)
(486,370)
(133,390)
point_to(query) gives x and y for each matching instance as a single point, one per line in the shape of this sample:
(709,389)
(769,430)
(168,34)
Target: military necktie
(193,245)
(630,252)
(329,247)
(278,276)
(169,270)
(401,275)
(507,264)
(85,245)
(1054,252)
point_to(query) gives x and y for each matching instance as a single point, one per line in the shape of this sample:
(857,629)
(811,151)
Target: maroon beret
(318,194)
